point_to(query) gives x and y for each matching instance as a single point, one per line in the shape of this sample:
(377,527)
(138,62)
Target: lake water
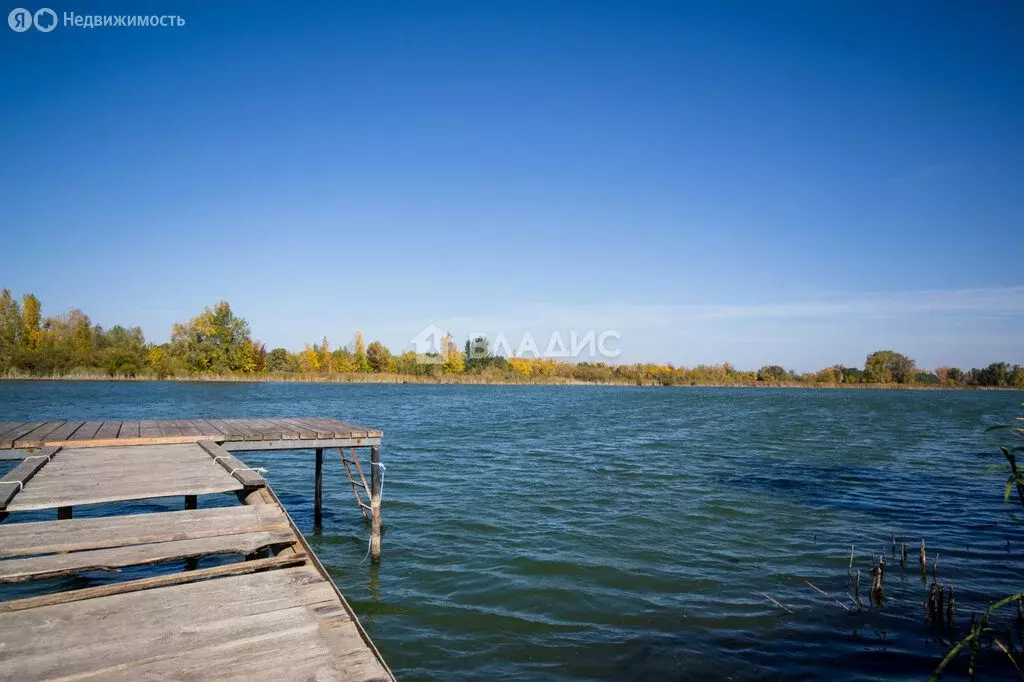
(569,533)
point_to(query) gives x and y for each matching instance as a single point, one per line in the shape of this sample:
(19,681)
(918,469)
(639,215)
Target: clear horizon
(790,184)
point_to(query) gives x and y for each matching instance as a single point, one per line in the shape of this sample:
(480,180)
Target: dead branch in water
(830,596)
(779,604)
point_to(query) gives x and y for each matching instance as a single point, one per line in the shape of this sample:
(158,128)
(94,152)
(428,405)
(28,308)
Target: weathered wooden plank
(287,431)
(235,427)
(63,431)
(81,478)
(78,487)
(113,558)
(229,427)
(208,428)
(152,623)
(109,429)
(46,537)
(344,429)
(249,428)
(169,427)
(253,446)
(138,459)
(36,436)
(322,430)
(203,430)
(179,455)
(304,652)
(129,429)
(149,428)
(245,475)
(7,439)
(300,428)
(91,476)
(240,568)
(86,431)
(125,441)
(14,481)
(267,496)
(268,429)
(254,429)
(140,492)
(187,428)
(276,430)
(7,426)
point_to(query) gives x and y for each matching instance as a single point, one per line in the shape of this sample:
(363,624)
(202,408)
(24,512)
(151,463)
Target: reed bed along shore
(463,380)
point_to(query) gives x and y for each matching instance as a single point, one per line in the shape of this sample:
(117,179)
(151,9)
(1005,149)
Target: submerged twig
(830,596)
(924,563)
(777,603)
(1009,656)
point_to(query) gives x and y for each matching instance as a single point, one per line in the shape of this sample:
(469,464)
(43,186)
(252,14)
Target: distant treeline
(219,343)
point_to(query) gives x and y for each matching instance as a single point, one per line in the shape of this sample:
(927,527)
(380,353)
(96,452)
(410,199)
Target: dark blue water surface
(566,533)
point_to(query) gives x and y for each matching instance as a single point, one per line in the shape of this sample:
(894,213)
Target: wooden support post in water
(376,483)
(63,513)
(191,502)
(318,487)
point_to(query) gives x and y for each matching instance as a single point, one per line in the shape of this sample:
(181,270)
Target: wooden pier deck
(236,434)
(262,606)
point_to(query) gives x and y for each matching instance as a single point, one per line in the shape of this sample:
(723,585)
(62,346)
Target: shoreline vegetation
(217,345)
(470,380)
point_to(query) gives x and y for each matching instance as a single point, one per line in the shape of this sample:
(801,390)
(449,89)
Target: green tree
(323,353)
(253,357)
(309,360)
(280,360)
(121,351)
(164,363)
(213,341)
(31,316)
(454,360)
(343,360)
(362,363)
(407,363)
(886,366)
(10,330)
(479,357)
(775,373)
(996,374)
(379,357)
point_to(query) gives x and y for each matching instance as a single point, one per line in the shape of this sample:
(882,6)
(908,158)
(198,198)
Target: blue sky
(790,182)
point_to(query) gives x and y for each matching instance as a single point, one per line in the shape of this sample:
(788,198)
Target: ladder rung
(358,483)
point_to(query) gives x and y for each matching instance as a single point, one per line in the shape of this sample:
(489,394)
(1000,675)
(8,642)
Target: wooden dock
(272,612)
